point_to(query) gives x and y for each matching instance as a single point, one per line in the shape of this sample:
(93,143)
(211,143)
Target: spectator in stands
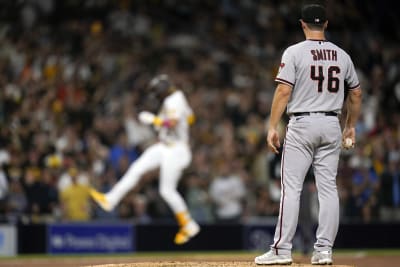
(265,206)
(227,192)
(390,189)
(75,199)
(365,188)
(17,202)
(198,199)
(41,194)
(4,188)
(74,83)
(121,151)
(140,212)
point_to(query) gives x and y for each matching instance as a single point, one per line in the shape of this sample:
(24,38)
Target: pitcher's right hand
(273,140)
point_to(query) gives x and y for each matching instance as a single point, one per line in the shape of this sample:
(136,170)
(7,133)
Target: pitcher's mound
(202,264)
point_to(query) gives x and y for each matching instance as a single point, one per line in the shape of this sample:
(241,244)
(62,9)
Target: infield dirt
(193,260)
(202,264)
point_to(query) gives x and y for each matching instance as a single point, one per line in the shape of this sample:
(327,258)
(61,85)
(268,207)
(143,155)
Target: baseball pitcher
(312,80)
(171,154)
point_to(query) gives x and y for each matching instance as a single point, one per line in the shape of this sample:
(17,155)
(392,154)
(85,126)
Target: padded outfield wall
(106,238)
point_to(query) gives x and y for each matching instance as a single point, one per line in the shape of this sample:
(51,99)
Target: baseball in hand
(348,143)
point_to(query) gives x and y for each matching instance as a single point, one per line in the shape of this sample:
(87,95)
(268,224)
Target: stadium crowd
(73,78)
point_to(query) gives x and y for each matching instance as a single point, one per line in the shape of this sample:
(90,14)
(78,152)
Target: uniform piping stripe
(284,81)
(283,197)
(354,87)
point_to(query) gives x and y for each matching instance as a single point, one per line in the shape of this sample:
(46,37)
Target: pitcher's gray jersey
(319,72)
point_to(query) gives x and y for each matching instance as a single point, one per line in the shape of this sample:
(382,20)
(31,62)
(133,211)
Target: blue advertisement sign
(90,238)
(8,240)
(258,237)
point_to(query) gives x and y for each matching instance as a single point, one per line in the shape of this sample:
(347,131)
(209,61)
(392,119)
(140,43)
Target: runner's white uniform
(318,71)
(172,154)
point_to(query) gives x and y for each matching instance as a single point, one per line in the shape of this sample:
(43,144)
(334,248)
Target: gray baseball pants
(310,140)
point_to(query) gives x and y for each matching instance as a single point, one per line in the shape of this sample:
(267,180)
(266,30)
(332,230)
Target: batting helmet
(160,84)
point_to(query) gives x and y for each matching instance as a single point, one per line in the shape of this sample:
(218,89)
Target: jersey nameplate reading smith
(324,54)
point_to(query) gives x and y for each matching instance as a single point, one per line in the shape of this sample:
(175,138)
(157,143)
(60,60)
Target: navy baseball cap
(313,13)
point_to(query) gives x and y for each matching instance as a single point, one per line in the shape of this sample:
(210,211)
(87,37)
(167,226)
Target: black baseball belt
(326,113)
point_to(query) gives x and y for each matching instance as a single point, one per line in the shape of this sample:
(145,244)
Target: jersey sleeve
(351,79)
(286,72)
